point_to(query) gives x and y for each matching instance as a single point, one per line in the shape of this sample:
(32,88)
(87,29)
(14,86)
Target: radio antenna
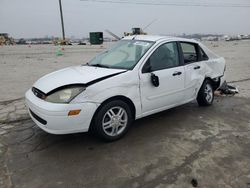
(150,24)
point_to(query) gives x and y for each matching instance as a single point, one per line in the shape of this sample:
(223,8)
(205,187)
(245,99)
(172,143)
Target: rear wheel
(112,121)
(206,94)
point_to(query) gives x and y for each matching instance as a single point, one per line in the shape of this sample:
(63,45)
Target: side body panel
(125,84)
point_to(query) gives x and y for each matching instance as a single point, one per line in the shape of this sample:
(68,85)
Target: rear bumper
(53,118)
(222,80)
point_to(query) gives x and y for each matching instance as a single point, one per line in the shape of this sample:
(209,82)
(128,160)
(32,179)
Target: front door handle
(197,67)
(177,73)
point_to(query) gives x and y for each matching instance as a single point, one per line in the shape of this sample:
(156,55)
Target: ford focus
(138,76)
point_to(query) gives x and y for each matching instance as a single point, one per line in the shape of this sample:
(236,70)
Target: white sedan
(137,77)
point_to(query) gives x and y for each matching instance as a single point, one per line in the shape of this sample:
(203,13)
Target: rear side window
(189,52)
(203,55)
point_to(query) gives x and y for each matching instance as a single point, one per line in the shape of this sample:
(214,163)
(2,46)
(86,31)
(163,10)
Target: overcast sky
(38,18)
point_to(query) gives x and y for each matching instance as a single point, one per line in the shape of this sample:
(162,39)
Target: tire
(206,94)
(112,121)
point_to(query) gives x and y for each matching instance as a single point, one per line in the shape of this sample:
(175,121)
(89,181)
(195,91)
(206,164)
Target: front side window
(190,54)
(125,54)
(164,57)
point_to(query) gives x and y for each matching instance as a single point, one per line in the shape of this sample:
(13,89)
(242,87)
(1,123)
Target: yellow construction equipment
(135,31)
(5,39)
(61,42)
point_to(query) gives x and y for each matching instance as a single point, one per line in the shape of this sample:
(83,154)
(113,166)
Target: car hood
(74,75)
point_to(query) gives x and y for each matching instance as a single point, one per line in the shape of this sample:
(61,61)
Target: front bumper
(53,118)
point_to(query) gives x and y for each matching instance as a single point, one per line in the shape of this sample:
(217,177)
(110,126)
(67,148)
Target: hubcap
(115,121)
(209,93)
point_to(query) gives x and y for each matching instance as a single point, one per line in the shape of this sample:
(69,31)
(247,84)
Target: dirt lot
(169,149)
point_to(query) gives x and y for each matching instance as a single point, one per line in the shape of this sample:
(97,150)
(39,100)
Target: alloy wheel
(209,93)
(114,121)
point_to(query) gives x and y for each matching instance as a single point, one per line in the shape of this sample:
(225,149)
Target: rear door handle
(177,73)
(197,67)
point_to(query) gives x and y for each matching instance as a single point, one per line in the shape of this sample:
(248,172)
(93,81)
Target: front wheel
(112,121)
(206,94)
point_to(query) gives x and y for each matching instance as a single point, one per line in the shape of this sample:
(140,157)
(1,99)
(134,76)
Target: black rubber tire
(97,128)
(201,97)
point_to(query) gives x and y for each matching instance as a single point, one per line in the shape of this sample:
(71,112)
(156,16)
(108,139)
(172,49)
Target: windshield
(125,54)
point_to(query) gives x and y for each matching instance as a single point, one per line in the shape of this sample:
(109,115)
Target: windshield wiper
(85,64)
(99,65)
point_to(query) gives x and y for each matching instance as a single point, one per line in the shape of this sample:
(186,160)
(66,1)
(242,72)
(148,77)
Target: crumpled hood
(73,75)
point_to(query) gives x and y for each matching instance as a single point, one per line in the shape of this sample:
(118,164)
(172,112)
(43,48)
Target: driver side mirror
(148,69)
(155,80)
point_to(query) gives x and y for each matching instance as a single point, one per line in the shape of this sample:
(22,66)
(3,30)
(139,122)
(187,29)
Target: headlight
(64,95)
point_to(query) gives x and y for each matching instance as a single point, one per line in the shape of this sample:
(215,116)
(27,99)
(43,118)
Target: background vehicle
(139,76)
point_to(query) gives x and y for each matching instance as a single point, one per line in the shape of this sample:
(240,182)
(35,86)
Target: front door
(163,66)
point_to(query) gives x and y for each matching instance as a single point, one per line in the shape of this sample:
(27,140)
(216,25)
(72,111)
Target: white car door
(194,69)
(162,79)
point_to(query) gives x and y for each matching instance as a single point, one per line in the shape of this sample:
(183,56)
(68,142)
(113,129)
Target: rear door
(194,68)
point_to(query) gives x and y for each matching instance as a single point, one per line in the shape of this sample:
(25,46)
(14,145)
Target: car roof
(157,38)
(161,38)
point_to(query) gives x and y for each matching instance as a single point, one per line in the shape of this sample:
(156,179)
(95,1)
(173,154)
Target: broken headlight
(64,95)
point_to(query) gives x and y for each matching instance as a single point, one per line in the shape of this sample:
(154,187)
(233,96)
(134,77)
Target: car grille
(42,121)
(38,93)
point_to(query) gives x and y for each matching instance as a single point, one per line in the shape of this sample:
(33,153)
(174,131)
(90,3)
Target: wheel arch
(215,82)
(118,97)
